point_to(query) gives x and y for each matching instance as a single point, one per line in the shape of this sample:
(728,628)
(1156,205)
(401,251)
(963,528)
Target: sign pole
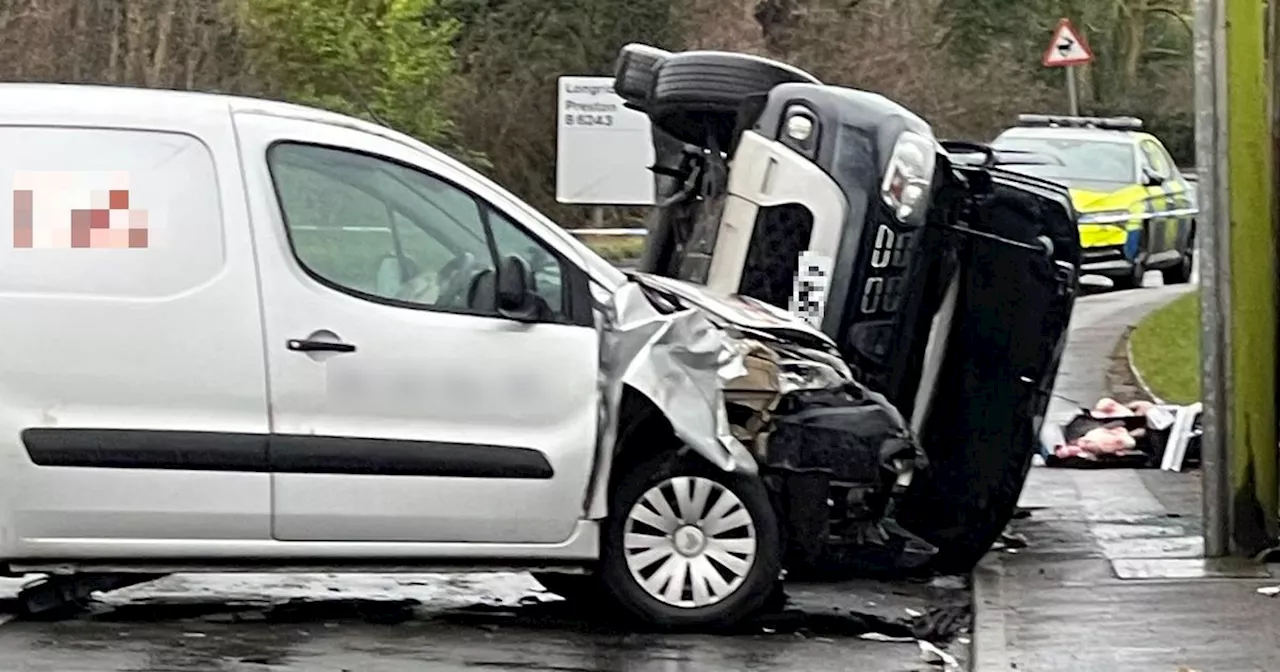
(1067,50)
(1073,98)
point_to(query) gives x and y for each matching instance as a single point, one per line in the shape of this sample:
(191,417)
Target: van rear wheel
(687,545)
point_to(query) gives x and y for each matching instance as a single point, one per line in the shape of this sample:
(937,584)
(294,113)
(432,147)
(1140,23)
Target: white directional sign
(603,150)
(1067,48)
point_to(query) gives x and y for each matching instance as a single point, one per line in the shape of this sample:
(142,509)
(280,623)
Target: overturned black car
(946,282)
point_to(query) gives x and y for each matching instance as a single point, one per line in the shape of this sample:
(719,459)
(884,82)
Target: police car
(1137,210)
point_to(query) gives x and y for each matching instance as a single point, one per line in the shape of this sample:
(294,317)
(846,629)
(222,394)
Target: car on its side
(1137,210)
(945,278)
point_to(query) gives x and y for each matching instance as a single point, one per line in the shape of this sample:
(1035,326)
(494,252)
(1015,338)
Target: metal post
(1240,299)
(597,217)
(1211,163)
(1073,98)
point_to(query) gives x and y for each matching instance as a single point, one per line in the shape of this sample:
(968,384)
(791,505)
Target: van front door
(404,408)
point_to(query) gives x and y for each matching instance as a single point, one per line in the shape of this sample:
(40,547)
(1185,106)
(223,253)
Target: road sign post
(1067,50)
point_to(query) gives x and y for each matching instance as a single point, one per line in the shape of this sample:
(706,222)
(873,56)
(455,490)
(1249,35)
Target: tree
(386,59)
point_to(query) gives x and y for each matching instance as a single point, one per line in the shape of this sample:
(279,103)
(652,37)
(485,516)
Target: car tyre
(634,71)
(696,94)
(1133,279)
(1181,274)
(727,552)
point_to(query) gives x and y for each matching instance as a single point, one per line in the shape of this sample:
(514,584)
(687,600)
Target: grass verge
(1166,350)
(617,249)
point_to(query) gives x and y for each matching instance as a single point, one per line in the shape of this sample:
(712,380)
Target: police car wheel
(633,73)
(1132,279)
(1181,273)
(688,545)
(697,94)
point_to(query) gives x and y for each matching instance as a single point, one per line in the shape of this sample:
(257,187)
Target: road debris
(1269,591)
(879,637)
(1137,435)
(935,656)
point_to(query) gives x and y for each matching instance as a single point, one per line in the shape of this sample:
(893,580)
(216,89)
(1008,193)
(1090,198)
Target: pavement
(1112,575)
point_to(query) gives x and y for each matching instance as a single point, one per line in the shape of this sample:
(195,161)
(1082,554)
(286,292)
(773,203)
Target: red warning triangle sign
(1067,48)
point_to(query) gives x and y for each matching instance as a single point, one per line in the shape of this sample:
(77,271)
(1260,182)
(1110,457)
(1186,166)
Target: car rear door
(402,408)
(1164,201)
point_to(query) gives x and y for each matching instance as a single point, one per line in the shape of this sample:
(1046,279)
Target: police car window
(1155,159)
(1075,159)
(379,229)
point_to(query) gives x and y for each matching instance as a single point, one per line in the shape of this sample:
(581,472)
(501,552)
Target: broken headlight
(909,173)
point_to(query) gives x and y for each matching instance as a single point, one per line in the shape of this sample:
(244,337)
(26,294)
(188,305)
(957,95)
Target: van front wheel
(690,546)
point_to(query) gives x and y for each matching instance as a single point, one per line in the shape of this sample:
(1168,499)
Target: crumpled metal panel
(681,361)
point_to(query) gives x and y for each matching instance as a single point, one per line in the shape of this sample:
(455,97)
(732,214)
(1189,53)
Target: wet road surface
(155,629)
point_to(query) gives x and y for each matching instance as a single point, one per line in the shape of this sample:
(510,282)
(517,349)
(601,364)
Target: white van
(242,335)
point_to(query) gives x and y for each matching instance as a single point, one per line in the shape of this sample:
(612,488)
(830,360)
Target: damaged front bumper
(754,390)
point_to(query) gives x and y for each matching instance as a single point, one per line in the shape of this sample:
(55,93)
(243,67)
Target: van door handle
(308,345)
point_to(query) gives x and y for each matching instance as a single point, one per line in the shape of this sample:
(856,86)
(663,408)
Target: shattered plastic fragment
(935,656)
(880,637)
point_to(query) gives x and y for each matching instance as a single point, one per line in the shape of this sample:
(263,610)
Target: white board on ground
(603,149)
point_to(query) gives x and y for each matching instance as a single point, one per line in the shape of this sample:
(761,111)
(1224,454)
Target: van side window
(382,231)
(547,271)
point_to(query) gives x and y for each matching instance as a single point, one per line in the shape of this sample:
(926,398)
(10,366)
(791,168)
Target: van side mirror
(516,297)
(1150,178)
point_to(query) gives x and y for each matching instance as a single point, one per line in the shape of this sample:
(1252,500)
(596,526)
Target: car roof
(1079,134)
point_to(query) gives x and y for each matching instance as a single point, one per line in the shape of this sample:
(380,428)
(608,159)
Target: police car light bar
(1055,121)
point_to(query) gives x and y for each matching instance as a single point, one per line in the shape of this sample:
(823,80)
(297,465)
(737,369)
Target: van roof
(95,100)
(94,104)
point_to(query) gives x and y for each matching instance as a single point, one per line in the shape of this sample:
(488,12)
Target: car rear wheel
(634,72)
(1181,273)
(696,94)
(1132,279)
(687,545)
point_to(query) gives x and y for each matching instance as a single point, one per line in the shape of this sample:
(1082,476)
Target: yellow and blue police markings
(1118,220)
